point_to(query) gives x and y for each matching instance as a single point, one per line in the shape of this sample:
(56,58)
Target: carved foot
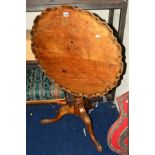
(99,147)
(65,109)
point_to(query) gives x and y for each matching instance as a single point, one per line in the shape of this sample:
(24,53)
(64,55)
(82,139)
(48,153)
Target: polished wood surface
(51,101)
(77,50)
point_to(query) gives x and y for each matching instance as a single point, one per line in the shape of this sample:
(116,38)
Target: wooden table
(79,51)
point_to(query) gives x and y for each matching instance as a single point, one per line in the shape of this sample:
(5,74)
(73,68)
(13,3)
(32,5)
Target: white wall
(104,15)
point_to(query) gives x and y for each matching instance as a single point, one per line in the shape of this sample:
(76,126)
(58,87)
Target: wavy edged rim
(111,35)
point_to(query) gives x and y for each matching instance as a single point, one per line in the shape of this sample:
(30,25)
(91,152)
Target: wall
(104,15)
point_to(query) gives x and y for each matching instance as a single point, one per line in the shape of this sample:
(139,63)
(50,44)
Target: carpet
(68,136)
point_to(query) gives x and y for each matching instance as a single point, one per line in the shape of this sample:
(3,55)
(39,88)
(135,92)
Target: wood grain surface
(77,50)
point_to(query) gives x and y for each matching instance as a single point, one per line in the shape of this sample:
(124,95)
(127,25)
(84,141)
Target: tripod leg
(87,121)
(65,109)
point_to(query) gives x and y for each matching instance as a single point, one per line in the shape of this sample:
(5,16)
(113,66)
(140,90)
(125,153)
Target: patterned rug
(39,87)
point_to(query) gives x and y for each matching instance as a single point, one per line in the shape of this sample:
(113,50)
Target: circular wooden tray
(78,50)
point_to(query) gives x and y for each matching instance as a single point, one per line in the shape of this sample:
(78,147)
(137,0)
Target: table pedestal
(79,107)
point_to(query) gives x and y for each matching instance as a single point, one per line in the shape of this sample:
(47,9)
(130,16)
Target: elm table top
(78,50)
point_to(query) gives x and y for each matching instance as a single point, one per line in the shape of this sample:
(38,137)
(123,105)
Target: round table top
(78,50)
